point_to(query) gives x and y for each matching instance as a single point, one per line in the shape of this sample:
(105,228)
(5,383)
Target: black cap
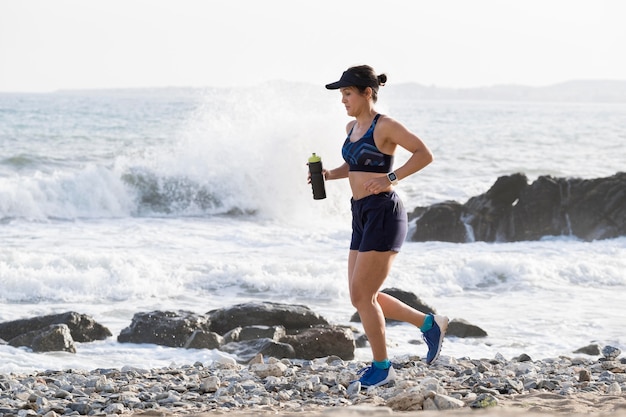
(350,79)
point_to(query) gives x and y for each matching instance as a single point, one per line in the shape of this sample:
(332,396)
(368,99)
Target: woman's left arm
(396,134)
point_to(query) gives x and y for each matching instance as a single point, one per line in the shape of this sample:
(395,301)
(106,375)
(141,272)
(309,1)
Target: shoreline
(558,386)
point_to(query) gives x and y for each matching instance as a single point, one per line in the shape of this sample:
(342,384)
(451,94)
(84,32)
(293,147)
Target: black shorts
(379,223)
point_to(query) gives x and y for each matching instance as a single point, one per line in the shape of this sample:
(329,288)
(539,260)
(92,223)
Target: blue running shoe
(375,377)
(434,337)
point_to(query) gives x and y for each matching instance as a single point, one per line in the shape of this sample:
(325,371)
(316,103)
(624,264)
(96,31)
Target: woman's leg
(397,310)
(366,273)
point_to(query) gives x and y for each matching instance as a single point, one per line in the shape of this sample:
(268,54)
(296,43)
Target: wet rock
(461,328)
(513,210)
(322,341)
(267,314)
(201,339)
(248,349)
(83,328)
(441,222)
(259,332)
(592,350)
(54,338)
(167,328)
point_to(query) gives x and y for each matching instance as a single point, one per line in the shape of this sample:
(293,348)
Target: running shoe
(434,337)
(373,376)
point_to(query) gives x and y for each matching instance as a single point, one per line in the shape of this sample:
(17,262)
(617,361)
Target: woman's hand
(377,185)
(325,174)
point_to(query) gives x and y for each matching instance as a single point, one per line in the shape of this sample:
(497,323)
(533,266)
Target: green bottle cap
(315,158)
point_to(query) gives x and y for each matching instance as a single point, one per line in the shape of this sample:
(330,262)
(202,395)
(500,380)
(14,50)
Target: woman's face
(354,100)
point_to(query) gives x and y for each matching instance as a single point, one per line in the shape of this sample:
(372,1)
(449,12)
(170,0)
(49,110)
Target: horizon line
(198,87)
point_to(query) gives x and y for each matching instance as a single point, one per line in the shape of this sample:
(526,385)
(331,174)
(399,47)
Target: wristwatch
(393,178)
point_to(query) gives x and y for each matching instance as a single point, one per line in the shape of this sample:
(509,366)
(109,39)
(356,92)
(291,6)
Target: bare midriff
(358,179)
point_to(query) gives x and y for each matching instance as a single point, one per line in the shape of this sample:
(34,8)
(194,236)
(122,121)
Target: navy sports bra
(363,155)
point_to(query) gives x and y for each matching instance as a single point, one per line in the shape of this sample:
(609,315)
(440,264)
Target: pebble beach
(124,201)
(558,386)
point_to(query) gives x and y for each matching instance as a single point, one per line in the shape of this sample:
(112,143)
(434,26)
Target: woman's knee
(362,299)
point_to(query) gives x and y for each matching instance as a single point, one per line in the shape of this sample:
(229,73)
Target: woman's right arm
(333,174)
(337,173)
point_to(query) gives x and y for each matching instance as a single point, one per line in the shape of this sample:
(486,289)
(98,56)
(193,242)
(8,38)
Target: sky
(48,45)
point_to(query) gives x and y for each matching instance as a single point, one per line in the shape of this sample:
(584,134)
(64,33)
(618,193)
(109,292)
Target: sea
(115,202)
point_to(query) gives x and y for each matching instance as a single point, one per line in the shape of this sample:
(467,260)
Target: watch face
(392,176)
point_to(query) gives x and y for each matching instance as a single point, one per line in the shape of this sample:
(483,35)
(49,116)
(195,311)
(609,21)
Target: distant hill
(602,91)
(612,91)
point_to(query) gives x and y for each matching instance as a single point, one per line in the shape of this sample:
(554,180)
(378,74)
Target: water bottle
(317,178)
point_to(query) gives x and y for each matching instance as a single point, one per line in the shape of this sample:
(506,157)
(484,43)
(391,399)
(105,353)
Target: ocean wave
(176,195)
(25,162)
(97,192)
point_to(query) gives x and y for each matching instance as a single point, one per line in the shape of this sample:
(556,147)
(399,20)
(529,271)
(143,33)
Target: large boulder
(264,313)
(540,211)
(442,222)
(245,330)
(513,210)
(83,328)
(322,341)
(588,209)
(167,328)
(488,215)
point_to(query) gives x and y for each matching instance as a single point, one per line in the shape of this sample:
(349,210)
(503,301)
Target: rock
(354,388)
(317,386)
(584,375)
(201,339)
(488,213)
(484,401)
(263,331)
(463,329)
(115,408)
(322,341)
(263,370)
(83,328)
(409,400)
(539,212)
(611,353)
(210,384)
(82,408)
(614,389)
(511,210)
(266,314)
(248,349)
(445,402)
(596,208)
(441,222)
(592,350)
(254,332)
(54,338)
(166,328)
